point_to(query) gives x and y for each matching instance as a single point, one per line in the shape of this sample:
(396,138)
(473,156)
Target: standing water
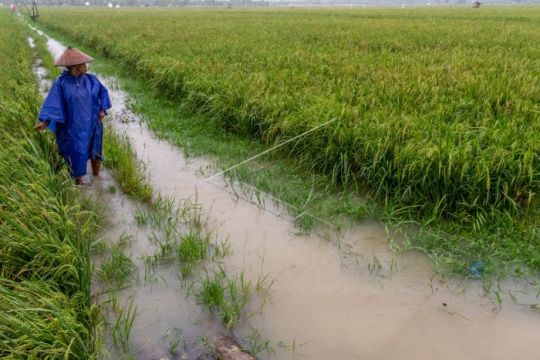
(357,300)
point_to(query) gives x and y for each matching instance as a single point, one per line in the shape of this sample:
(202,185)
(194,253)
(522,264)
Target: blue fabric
(72,108)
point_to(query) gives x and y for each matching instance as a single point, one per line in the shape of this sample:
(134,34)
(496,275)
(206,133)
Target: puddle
(44,83)
(333,296)
(31,42)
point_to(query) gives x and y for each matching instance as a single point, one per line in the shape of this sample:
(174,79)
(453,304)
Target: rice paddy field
(45,233)
(437,108)
(428,117)
(433,112)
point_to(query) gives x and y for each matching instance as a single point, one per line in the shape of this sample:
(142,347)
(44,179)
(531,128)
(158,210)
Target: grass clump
(225,295)
(180,234)
(121,328)
(126,169)
(193,248)
(117,267)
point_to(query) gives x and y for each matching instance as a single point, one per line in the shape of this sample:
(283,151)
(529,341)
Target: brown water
(164,312)
(358,300)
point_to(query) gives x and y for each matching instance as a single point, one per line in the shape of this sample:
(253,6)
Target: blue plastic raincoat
(72,108)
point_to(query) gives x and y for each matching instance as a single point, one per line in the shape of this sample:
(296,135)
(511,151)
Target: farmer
(74,110)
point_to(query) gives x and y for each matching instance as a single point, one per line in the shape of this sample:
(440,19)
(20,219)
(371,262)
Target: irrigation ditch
(137,274)
(280,293)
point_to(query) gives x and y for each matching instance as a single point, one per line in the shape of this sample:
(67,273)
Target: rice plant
(39,321)
(45,228)
(192,249)
(117,267)
(126,169)
(434,111)
(415,116)
(121,328)
(224,295)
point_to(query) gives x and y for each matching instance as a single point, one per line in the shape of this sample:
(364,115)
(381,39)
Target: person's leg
(77,164)
(96,166)
(95,148)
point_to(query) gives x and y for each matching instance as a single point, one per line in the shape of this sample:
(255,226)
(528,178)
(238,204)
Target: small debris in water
(176,344)
(229,350)
(476,269)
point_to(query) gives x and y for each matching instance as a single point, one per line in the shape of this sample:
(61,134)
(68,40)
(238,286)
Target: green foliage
(436,113)
(45,233)
(192,249)
(118,267)
(225,295)
(121,329)
(436,109)
(127,170)
(37,321)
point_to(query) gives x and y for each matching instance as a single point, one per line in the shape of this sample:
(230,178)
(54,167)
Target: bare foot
(83,180)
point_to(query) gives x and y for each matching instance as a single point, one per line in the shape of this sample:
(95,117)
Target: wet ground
(333,295)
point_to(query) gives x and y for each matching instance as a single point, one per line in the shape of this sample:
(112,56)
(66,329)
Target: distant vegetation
(280,3)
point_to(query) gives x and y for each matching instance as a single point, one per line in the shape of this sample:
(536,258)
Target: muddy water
(337,296)
(164,313)
(41,73)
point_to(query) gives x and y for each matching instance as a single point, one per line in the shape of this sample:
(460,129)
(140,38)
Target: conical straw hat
(71,57)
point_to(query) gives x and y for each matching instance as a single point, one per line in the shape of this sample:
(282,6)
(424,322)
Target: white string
(268,150)
(301,211)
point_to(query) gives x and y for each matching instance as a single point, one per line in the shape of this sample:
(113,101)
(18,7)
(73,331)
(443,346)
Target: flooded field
(164,313)
(329,294)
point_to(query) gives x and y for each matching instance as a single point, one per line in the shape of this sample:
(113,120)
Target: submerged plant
(118,267)
(192,249)
(256,344)
(225,295)
(121,329)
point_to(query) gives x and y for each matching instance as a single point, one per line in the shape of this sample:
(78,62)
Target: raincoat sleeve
(53,107)
(104,98)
